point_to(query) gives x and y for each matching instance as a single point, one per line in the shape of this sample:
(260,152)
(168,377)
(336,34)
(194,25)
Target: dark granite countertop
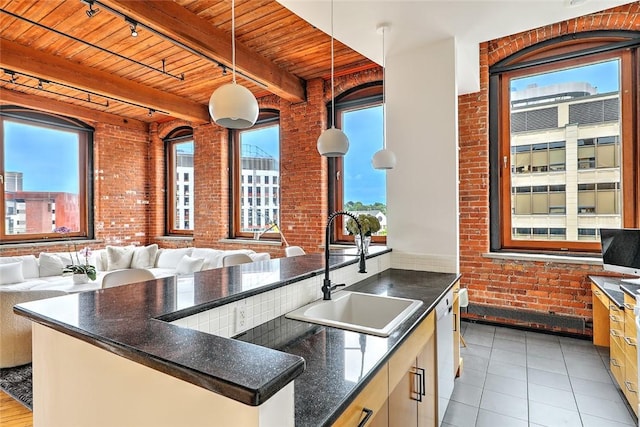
(339,363)
(132,321)
(615,287)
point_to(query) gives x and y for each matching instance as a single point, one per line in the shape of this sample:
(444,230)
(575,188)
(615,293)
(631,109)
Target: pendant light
(333,142)
(231,105)
(385,158)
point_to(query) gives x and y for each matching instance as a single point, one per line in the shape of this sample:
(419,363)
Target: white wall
(422,130)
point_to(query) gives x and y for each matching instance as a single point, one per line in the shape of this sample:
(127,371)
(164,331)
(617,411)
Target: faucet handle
(333,288)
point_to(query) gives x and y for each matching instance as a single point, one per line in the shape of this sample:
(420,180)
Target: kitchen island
(254,374)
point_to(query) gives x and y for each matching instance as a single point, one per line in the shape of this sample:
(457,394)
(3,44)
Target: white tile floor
(521,378)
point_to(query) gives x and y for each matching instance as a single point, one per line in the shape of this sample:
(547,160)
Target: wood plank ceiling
(51,51)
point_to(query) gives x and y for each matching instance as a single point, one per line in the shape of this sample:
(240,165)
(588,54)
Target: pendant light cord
(333,107)
(384,97)
(233,38)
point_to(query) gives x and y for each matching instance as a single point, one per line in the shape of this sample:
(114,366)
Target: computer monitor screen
(621,250)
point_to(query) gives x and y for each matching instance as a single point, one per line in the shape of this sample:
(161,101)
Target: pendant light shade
(332,142)
(233,106)
(385,158)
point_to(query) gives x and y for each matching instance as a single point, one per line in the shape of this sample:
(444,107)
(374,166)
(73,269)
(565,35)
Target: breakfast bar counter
(139,322)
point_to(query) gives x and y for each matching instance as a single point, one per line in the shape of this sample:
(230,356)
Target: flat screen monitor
(621,251)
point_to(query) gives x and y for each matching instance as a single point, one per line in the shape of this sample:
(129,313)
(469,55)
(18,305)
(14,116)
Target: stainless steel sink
(370,314)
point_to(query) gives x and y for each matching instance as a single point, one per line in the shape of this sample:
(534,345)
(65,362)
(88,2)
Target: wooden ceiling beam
(10,97)
(42,65)
(197,33)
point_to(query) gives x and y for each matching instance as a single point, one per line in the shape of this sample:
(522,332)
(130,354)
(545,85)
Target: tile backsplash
(261,308)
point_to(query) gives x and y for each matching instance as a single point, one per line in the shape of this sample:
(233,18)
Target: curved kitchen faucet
(326,284)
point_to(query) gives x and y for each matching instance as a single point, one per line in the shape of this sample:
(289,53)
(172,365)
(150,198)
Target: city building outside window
(256,192)
(46,172)
(355,185)
(565,148)
(179,147)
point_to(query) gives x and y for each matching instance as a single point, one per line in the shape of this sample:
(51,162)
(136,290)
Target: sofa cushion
(29,265)
(119,257)
(11,273)
(169,258)
(144,256)
(212,257)
(188,265)
(50,264)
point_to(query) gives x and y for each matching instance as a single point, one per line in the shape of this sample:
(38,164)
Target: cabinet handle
(629,341)
(629,306)
(455,322)
(597,292)
(369,413)
(423,388)
(614,333)
(614,318)
(628,385)
(614,362)
(418,383)
(613,307)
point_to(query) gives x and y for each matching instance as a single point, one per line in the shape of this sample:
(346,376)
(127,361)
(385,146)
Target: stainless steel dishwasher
(444,343)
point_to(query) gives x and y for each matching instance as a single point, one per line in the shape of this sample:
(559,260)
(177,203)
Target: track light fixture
(133,26)
(91,12)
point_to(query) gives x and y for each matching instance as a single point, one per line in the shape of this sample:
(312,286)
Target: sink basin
(370,314)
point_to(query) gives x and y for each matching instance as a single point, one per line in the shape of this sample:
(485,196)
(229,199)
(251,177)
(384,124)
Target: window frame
(553,54)
(360,97)
(85,164)
(266,118)
(177,136)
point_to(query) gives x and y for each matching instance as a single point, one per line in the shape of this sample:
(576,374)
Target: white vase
(367,241)
(80,279)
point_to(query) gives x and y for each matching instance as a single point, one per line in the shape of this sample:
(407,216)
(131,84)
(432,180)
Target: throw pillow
(50,264)
(144,256)
(188,265)
(169,258)
(119,257)
(11,273)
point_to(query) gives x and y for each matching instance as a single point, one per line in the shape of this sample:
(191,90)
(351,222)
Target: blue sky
(363,183)
(603,75)
(48,159)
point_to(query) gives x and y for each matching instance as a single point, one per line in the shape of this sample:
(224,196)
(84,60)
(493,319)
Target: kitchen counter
(614,288)
(339,363)
(132,322)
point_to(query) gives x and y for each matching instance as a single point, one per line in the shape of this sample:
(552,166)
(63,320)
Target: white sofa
(27,278)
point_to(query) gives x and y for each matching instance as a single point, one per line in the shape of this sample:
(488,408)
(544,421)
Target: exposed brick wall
(537,286)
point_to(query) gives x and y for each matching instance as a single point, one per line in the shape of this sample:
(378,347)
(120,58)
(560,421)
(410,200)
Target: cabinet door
(600,317)
(403,408)
(372,398)
(427,413)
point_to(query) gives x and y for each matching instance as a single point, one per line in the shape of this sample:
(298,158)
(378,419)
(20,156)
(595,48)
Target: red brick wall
(537,286)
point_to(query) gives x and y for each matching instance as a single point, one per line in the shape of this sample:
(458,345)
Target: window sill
(45,244)
(251,242)
(560,259)
(175,238)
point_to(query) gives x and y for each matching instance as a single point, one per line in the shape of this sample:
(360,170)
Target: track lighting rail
(132,26)
(13,75)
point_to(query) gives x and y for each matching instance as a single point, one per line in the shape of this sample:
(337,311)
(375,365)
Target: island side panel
(78,384)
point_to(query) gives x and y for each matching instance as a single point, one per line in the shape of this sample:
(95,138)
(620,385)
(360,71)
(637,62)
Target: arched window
(181,181)
(564,142)
(354,184)
(46,172)
(256,178)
